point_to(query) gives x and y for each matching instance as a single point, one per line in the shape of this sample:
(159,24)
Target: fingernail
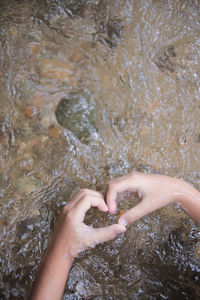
(105,208)
(120,230)
(123,228)
(113,210)
(123,222)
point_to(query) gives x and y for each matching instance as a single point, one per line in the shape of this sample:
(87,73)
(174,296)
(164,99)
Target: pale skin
(154,192)
(72,236)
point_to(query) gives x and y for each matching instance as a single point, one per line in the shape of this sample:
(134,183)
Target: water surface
(136,65)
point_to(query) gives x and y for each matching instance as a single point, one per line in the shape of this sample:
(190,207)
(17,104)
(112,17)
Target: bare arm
(154,192)
(70,237)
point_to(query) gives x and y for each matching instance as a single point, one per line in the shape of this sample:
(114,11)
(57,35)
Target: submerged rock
(109,29)
(164,59)
(55,131)
(56,69)
(29,184)
(111,32)
(30,111)
(26,162)
(27,88)
(79,114)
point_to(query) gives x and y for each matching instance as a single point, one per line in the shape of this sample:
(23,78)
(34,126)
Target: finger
(135,213)
(85,203)
(104,234)
(126,183)
(79,195)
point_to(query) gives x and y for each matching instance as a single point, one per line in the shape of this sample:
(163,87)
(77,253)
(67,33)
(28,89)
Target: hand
(71,236)
(74,235)
(154,192)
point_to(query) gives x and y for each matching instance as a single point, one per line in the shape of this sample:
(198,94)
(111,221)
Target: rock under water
(78,114)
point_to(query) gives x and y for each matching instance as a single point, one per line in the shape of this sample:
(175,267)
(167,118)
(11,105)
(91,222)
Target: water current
(89,91)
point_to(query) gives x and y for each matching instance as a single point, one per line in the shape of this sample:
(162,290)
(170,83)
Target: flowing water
(89,91)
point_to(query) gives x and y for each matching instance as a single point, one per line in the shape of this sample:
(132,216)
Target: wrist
(59,252)
(185,192)
(189,197)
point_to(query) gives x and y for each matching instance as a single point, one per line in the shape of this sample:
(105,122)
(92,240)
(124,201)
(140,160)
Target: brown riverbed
(129,72)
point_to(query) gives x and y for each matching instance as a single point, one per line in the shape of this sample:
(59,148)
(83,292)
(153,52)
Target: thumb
(134,214)
(104,234)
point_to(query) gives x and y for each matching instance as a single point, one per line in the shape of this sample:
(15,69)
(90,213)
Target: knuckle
(65,210)
(84,197)
(99,194)
(70,216)
(84,191)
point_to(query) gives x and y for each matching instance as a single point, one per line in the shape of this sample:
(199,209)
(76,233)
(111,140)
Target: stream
(90,91)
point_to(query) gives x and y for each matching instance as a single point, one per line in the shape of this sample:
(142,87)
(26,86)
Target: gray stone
(78,113)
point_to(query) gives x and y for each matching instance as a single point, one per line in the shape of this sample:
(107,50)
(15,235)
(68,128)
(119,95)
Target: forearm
(70,237)
(53,275)
(189,197)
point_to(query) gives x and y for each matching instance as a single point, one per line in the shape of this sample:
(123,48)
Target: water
(138,61)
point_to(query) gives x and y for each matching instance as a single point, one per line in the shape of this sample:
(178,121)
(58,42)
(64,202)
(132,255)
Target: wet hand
(73,234)
(153,191)
(70,237)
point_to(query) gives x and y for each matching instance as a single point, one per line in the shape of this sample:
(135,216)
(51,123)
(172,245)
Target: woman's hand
(71,230)
(154,192)
(70,237)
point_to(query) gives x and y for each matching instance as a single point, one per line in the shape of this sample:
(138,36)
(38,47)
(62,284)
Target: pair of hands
(72,236)
(154,192)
